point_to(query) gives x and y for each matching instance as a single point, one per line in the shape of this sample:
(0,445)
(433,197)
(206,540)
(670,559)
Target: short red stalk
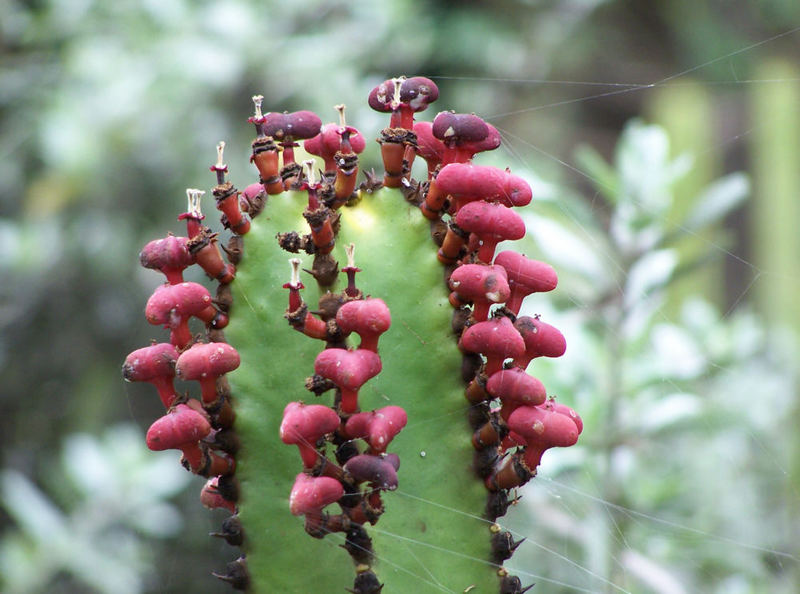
(294,285)
(350,270)
(309,325)
(227,197)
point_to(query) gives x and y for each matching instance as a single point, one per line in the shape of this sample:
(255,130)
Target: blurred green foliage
(115,490)
(678,481)
(109,110)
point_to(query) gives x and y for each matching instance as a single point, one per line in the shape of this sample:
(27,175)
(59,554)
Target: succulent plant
(410,435)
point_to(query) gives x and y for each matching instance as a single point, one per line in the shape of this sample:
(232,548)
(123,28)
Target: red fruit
(154,364)
(496,339)
(459,132)
(181,428)
(569,412)
(467,150)
(349,370)
(173,305)
(369,318)
(379,472)
(466,182)
(211,498)
(515,388)
(429,147)
(205,362)
(541,340)
(303,425)
(310,494)
(491,223)
(481,285)
(378,427)
(525,276)
(169,256)
(328,142)
(286,127)
(250,196)
(542,427)
(415,94)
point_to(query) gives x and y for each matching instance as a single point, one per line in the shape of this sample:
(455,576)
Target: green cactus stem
(377,508)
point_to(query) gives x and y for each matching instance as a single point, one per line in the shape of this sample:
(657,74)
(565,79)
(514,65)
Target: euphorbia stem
(436,462)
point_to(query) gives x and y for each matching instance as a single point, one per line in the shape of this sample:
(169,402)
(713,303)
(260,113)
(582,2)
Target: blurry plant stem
(611,529)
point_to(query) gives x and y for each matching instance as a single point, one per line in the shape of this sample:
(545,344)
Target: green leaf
(717,200)
(603,176)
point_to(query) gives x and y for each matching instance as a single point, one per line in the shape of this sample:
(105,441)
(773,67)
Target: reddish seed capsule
(205,362)
(378,427)
(154,364)
(567,411)
(496,339)
(429,147)
(491,223)
(303,425)
(173,305)
(349,370)
(180,429)
(542,427)
(457,130)
(169,255)
(525,276)
(253,198)
(375,470)
(413,95)
(467,150)
(211,498)
(286,127)
(369,318)
(515,388)
(328,142)
(481,285)
(310,494)
(541,340)
(466,182)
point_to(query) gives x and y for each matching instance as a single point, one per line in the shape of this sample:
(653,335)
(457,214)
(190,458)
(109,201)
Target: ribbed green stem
(422,542)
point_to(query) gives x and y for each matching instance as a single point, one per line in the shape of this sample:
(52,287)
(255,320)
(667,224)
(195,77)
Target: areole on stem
(390,466)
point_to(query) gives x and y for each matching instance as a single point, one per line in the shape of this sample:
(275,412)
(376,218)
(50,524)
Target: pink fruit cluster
(200,427)
(471,209)
(362,468)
